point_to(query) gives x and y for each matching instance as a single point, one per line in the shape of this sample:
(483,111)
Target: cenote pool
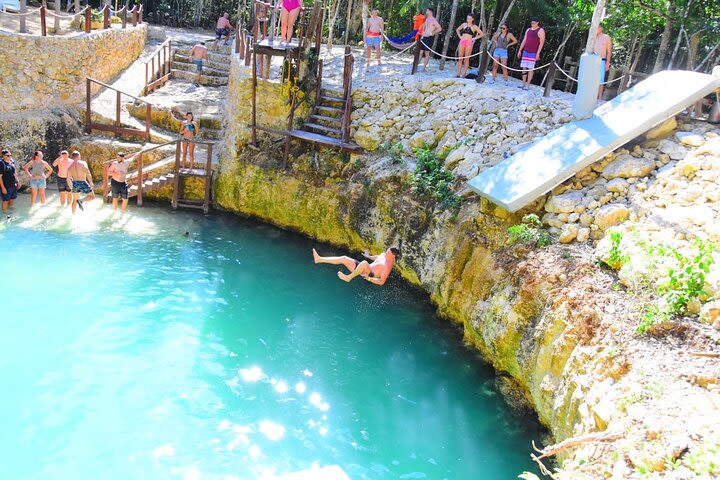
(132,351)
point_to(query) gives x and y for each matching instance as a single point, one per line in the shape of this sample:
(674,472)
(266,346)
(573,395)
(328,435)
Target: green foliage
(616,258)
(431,180)
(530,232)
(686,275)
(652,315)
(396,152)
(704,459)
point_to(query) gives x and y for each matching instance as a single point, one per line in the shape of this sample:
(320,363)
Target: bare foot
(316,257)
(343,276)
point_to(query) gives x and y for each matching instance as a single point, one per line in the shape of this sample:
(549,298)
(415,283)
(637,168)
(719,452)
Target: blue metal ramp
(550,160)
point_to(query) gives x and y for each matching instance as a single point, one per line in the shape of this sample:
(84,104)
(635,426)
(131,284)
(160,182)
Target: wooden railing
(158,67)
(117,127)
(347,94)
(134,177)
(136,15)
(208,175)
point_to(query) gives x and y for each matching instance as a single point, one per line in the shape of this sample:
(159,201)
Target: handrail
(113,88)
(156,78)
(117,128)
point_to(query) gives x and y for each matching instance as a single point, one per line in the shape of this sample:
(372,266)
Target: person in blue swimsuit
(188,132)
(376,272)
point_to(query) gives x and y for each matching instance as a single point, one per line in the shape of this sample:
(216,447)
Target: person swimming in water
(376,272)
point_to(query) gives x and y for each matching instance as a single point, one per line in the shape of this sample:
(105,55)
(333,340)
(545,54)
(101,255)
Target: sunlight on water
(132,350)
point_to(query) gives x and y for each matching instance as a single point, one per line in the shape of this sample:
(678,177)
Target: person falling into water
(376,272)
(62,163)
(38,178)
(80,180)
(427,32)
(373,36)
(603,47)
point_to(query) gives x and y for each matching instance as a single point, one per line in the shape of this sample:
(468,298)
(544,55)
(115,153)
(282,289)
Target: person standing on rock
(197,55)
(373,36)
(223,27)
(188,131)
(427,32)
(603,47)
(38,178)
(529,51)
(502,41)
(62,163)
(80,180)
(9,181)
(376,272)
(468,32)
(118,181)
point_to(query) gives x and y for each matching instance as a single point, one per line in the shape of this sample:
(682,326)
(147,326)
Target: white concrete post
(23,9)
(589,70)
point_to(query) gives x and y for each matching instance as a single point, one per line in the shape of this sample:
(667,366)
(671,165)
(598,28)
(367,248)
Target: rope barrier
(29,12)
(397,54)
(576,80)
(515,69)
(66,15)
(447,57)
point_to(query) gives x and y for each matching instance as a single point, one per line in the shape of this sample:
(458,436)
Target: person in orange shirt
(418,21)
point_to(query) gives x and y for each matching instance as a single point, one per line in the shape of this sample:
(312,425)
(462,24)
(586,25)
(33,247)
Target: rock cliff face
(549,320)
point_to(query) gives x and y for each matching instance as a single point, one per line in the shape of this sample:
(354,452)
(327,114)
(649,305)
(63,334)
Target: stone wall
(49,72)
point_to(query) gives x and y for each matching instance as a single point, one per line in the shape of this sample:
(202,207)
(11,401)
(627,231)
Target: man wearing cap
(118,180)
(62,163)
(9,181)
(80,180)
(530,49)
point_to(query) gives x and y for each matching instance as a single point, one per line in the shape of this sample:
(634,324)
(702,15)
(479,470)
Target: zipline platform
(276,46)
(552,159)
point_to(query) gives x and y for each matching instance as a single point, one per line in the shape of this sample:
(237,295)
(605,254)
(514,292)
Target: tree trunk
(365,14)
(594,24)
(692,51)
(198,12)
(77,6)
(626,67)
(331,26)
(665,41)
(679,37)
(504,17)
(558,53)
(708,56)
(348,20)
(449,32)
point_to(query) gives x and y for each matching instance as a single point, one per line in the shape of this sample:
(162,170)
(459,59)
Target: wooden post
(123,17)
(253,137)
(88,19)
(134,17)
(318,87)
(148,114)
(416,57)
(170,56)
(237,37)
(43,20)
(117,113)
(140,180)
(88,112)
(105,183)
(208,179)
(140,14)
(145,90)
(272,25)
(550,79)
(56,18)
(106,17)
(176,179)
(248,55)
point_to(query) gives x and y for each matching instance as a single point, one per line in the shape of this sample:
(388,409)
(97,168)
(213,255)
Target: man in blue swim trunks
(373,36)
(376,272)
(198,54)
(603,47)
(80,181)
(9,181)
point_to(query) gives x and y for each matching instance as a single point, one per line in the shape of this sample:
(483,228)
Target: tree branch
(653,9)
(602,437)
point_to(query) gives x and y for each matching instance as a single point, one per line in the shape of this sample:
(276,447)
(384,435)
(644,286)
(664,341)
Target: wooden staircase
(146,178)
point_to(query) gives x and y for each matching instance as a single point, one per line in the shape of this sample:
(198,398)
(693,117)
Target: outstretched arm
(367,255)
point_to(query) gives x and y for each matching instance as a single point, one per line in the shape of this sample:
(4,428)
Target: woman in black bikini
(468,33)
(188,132)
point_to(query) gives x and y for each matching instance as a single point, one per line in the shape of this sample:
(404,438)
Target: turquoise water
(129,351)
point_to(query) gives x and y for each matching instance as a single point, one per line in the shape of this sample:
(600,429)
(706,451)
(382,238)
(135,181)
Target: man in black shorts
(118,181)
(9,181)
(223,27)
(430,28)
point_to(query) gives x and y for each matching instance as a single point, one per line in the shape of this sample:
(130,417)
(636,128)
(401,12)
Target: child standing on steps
(188,132)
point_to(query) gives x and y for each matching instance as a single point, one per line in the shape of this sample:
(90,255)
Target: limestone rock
(455,156)
(367,139)
(626,166)
(422,139)
(618,185)
(564,203)
(662,130)
(569,233)
(583,234)
(675,151)
(609,215)
(689,138)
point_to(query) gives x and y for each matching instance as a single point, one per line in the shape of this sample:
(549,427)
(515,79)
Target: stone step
(332,93)
(323,120)
(330,110)
(213,57)
(171,120)
(206,80)
(190,67)
(331,100)
(215,62)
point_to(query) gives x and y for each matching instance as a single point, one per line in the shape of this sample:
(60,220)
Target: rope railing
(570,77)
(106,12)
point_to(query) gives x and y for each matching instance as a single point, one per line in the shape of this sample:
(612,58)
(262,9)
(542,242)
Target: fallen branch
(550,450)
(704,354)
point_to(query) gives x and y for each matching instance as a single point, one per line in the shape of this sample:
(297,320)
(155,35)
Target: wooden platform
(325,140)
(265,47)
